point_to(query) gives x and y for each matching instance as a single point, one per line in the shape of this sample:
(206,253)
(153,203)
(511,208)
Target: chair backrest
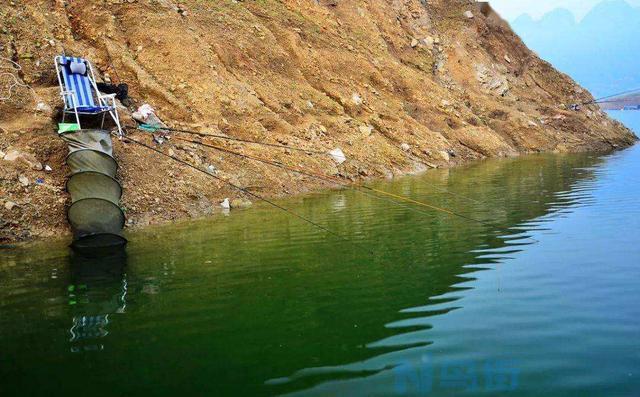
(80,83)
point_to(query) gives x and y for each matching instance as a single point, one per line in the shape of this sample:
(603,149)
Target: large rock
(29,159)
(24,181)
(492,80)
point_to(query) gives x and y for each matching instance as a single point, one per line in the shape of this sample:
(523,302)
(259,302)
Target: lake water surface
(541,299)
(630,118)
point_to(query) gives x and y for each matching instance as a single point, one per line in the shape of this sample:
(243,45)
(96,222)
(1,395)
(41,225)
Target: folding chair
(77,88)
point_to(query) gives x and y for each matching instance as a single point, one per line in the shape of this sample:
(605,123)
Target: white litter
(145,110)
(146,115)
(338,156)
(225,204)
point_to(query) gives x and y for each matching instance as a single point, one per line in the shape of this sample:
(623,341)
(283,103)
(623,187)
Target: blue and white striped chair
(77,88)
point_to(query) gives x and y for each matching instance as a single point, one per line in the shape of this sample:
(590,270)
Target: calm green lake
(543,299)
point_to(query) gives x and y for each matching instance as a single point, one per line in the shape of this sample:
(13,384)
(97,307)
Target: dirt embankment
(399,85)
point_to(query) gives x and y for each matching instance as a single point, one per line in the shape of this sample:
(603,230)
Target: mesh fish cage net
(92,160)
(95,214)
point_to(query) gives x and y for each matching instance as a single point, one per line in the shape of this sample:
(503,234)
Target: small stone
(172,153)
(24,181)
(365,129)
(338,156)
(468,14)
(414,43)
(357,99)
(428,42)
(11,155)
(48,168)
(506,58)
(405,146)
(9,205)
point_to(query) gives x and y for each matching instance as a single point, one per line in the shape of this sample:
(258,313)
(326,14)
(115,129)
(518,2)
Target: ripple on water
(259,303)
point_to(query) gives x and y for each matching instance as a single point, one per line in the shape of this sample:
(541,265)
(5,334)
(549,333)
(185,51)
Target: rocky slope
(399,85)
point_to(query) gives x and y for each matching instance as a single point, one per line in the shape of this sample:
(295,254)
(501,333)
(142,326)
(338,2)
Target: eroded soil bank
(399,86)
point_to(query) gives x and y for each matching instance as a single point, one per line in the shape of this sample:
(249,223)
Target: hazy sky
(511,9)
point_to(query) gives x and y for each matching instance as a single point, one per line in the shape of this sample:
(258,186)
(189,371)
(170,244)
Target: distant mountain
(601,52)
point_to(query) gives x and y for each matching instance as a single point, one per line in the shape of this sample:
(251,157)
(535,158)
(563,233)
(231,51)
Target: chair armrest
(103,98)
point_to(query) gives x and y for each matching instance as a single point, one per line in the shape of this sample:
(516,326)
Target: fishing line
(302,172)
(241,189)
(191,132)
(202,134)
(357,188)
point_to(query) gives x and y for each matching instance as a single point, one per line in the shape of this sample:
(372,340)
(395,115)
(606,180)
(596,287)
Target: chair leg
(78,119)
(116,118)
(102,123)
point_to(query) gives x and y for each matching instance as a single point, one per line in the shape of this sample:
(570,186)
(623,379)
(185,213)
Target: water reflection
(403,363)
(97,289)
(257,303)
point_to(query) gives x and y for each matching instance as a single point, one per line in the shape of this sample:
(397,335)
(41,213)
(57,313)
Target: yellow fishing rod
(342,183)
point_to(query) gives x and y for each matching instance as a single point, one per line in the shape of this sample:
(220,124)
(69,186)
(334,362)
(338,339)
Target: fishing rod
(202,134)
(302,172)
(334,180)
(243,190)
(191,132)
(600,100)
(611,101)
